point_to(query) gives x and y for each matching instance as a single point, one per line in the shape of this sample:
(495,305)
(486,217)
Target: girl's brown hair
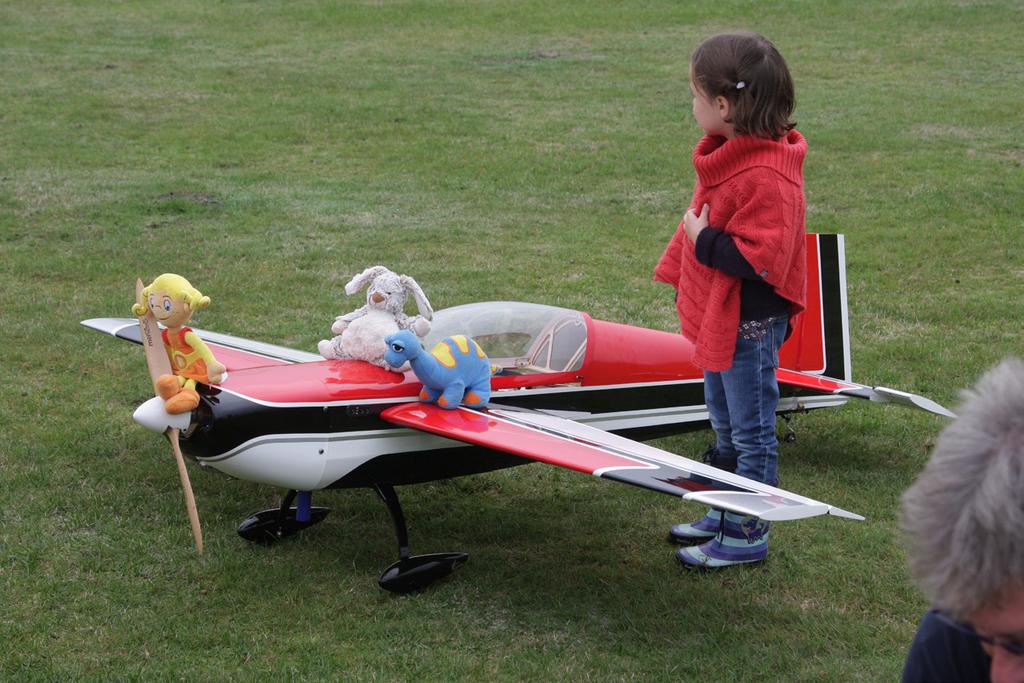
(747,70)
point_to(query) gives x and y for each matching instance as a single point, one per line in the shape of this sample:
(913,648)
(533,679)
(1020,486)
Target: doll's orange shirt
(186,361)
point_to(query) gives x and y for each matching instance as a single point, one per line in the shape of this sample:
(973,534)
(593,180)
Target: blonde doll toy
(171,300)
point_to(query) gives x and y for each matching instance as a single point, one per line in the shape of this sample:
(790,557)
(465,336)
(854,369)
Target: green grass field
(537,151)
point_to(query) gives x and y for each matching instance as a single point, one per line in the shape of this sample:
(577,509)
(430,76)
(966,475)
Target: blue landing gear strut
(274,524)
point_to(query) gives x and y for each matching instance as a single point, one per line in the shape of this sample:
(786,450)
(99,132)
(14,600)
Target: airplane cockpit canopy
(518,337)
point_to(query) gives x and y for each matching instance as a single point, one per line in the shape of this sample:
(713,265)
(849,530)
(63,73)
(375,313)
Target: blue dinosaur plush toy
(455,372)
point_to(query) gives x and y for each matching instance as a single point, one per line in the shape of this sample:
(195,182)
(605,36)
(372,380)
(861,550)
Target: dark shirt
(942,654)
(758,300)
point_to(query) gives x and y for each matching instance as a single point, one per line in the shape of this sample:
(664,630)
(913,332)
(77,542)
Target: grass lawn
(536,151)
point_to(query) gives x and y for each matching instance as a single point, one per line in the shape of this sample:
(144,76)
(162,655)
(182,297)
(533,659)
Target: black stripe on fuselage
(224,421)
(399,469)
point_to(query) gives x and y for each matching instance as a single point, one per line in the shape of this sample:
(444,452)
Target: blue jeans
(741,404)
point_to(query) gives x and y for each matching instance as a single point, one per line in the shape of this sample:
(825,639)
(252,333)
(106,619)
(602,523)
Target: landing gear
(790,435)
(272,525)
(412,573)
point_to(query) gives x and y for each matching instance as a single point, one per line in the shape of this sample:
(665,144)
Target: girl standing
(738,263)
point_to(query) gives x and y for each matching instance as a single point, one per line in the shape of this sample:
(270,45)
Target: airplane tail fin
(820,343)
(816,357)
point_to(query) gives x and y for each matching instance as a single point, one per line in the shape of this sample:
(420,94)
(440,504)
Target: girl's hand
(693,223)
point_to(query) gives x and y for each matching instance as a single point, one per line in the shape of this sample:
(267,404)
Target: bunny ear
(421,299)
(364,278)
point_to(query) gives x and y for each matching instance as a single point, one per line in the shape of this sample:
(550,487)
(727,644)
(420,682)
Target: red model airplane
(572,391)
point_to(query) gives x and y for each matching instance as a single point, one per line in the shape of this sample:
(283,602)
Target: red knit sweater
(754,187)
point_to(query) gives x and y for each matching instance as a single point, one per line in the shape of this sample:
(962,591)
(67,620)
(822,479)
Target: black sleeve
(941,653)
(716,249)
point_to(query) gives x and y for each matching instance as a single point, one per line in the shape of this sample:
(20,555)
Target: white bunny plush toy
(360,334)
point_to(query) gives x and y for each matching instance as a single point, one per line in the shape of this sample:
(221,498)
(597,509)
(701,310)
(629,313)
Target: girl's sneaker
(741,540)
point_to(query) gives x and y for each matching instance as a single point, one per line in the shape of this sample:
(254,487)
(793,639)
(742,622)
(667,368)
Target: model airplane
(572,391)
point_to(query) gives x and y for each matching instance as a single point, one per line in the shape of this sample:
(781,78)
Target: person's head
(741,86)
(964,516)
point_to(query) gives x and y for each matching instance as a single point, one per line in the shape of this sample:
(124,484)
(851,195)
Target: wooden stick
(186,485)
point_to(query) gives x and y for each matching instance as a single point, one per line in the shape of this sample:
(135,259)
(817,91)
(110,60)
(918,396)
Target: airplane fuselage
(344,443)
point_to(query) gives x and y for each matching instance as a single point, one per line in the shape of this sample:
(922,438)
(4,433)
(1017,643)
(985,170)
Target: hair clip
(741,85)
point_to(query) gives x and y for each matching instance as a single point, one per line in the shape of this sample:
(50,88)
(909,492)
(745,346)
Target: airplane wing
(820,384)
(234,352)
(557,441)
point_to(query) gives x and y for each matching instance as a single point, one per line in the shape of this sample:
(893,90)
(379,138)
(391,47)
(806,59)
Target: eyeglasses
(1014,647)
